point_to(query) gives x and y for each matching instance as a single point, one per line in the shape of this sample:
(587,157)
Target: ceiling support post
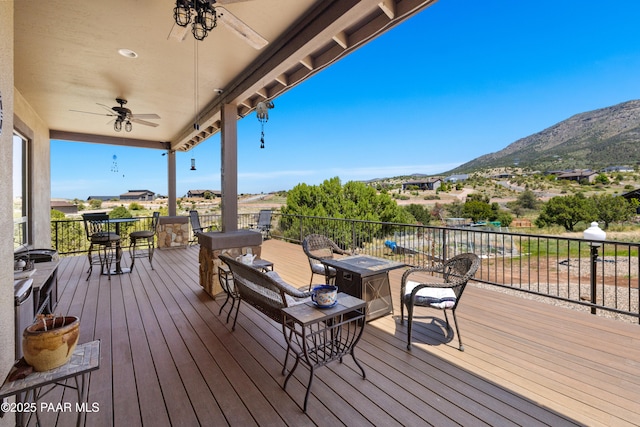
(171,185)
(229,167)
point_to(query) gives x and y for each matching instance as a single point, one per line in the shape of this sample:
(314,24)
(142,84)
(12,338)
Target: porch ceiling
(66,58)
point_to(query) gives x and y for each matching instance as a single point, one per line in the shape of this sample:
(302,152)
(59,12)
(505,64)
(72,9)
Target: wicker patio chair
(318,247)
(456,273)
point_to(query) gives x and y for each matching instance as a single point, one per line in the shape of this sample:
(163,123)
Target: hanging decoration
(262,112)
(193,164)
(114,165)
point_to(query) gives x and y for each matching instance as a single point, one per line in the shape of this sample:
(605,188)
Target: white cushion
(434,297)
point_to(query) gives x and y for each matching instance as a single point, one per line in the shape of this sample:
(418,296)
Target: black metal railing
(603,277)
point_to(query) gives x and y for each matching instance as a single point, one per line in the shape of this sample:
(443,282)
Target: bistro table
(317,336)
(366,277)
(117,222)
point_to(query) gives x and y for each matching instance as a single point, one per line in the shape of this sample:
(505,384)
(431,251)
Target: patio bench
(267,292)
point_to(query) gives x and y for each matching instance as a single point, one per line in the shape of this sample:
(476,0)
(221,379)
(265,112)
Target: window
(20,191)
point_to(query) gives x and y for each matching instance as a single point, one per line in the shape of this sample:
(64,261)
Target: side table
(319,336)
(85,358)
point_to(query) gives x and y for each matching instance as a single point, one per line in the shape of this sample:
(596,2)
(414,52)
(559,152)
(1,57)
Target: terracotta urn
(50,341)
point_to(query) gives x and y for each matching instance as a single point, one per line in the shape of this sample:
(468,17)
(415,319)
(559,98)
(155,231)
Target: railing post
(300,220)
(444,244)
(56,234)
(594,272)
(353,236)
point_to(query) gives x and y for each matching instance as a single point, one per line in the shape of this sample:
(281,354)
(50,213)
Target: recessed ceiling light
(127,53)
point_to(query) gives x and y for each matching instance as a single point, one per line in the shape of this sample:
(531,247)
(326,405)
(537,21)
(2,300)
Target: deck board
(167,358)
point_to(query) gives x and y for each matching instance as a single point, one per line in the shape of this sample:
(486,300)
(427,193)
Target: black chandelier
(201,12)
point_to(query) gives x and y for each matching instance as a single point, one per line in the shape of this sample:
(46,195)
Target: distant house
(138,195)
(425,184)
(103,198)
(457,178)
(612,169)
(633,194)
(202,193)
(503,175)
(64,206)
(579,175)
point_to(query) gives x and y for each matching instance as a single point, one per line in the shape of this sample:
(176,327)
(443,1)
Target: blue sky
(462,79)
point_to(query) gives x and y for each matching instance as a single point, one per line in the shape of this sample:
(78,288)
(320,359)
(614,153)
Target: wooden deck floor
(168,359)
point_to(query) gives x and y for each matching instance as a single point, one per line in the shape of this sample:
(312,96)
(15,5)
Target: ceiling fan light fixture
(117,125)
(128,126)
(198,29)
(182,13)
(208,17)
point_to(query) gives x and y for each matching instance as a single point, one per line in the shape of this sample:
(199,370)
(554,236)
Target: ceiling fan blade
(143,122)
(144,116)
(178,33)
(241,29)
(91,112)
(106,107)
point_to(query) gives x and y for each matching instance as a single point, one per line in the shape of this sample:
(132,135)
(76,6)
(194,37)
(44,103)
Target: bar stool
(144,239)
(96,226)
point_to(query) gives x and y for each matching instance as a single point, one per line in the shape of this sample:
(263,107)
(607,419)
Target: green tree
(566,211)
(120,212)
(95,203)
(419,212)
(601,179)
(354,200)
(476,210)
(455,209)
(528,200)
(609,208)
(69,236)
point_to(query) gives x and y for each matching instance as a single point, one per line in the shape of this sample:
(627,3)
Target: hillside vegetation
(593,140)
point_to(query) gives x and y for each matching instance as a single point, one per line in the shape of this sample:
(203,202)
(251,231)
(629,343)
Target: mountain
(606,137)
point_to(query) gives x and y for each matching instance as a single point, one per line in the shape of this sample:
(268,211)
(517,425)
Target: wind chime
(262,112)
(114,165)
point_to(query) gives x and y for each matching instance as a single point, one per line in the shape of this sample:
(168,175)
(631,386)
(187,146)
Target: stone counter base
(209,263)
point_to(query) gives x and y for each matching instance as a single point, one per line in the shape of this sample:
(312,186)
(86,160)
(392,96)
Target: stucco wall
(6,202)
(40,179)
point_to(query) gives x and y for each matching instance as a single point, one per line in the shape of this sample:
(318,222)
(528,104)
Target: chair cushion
(319,269)
(141,234)
(104,237)
(433,297)
(291,300)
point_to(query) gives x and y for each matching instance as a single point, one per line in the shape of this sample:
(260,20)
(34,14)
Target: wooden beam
(342,39)
(388,7)
(110,140)
(307,62)
(283,79)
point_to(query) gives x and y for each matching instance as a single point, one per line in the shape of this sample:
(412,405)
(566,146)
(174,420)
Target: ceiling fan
(203,16)
(124,115)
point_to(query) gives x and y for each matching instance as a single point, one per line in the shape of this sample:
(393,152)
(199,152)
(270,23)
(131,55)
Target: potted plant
(49,342)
